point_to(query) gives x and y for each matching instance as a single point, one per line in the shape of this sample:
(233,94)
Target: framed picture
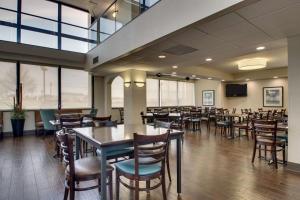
(273,96)
(208,97)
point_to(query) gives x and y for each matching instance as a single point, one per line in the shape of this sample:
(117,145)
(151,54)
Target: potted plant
(18,116)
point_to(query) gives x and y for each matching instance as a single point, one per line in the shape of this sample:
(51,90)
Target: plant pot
(18,127)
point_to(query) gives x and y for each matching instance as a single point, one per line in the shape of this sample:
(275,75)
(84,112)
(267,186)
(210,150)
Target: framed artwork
(208,97)
(273,96)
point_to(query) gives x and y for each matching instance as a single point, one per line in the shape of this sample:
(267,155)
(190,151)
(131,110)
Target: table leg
(103,175)
(178,144)
(77,146)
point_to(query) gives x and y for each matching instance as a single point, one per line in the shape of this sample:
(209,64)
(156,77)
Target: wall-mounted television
(236,90)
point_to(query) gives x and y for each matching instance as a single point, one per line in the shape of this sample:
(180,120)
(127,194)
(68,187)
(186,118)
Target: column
(134,96)
(294,103)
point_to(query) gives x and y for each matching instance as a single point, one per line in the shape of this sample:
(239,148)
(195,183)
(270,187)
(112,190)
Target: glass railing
(51,33)
(116,16)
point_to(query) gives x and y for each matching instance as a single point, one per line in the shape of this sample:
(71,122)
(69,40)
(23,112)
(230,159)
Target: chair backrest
(71,121)
(162,124)
(111,123)
(195,114)
(266,128)
(47,116)
(93,112)
(66,144)
(101,119)
(153,154)
(233,110)
(161,116)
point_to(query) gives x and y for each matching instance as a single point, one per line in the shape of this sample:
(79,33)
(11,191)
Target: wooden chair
(100,121)
(39,125)
(86,169)
(121,111)
(265,134)
(195,120)
(148,164)
(222,123)
(161,117)
(244,125)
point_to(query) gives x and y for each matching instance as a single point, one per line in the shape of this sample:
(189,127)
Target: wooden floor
(213,168)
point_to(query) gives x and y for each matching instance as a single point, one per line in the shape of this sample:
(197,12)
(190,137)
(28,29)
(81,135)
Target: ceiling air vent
(180,50)
(95,60)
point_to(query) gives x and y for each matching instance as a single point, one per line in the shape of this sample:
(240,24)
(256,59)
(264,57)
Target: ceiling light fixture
(173,74)
(247,79)
(161,56)
(223,80)
(260,48)
(252,64)
(194,76)
(209,78)
(275,76)
(174,66)
(208,59)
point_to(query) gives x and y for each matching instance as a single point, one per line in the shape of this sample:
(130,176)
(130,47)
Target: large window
(40,86)
(117,92)
(152,92)
(186,94)
(170,93)
(7,84)
(75,88)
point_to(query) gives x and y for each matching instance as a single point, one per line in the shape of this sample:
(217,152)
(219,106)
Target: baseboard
(293,167)
(27,132)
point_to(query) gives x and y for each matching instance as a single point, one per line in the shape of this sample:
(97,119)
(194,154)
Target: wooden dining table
(117,138)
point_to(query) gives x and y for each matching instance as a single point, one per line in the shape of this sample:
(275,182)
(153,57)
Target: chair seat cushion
(116,153)
(87,168)
(127,166)
(270,141)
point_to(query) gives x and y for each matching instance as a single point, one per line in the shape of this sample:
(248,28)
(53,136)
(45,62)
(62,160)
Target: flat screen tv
(236,90)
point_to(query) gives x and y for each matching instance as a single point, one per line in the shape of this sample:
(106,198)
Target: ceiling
(226,39)
(95,7)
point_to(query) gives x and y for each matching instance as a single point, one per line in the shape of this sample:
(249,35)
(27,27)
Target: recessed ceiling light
(198,78)
(174,66)
(260,48)
(223,80)
(208,59)
(247,79)
(275,76)
(173,74)
(193,75)
(161,56)
(209,78)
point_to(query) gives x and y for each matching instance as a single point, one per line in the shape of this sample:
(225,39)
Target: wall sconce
(139,83)
(127,84)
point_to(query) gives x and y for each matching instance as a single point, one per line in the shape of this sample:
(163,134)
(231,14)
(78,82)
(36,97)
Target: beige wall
(254,99)
(204,84)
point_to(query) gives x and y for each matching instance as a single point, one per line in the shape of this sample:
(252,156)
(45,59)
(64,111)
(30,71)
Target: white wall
(254,99)
(294,99)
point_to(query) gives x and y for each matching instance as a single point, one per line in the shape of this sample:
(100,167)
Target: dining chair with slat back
(244,125)
(82,170)
(265,134)
(100,121)
(148,164)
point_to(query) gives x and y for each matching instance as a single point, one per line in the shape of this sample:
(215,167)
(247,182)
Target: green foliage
(18,113)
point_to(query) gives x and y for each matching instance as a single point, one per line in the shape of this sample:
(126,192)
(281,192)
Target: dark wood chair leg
(72,190)
(136,191)
(117,186)
(110,186)
(259,151)
(148,186)
(66,193)
(283,155)
(168,166)
(265,152)
(163,186)
(254,152)
(275,157)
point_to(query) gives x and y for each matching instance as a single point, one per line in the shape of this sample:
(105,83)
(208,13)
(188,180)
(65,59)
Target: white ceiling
(227,39)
